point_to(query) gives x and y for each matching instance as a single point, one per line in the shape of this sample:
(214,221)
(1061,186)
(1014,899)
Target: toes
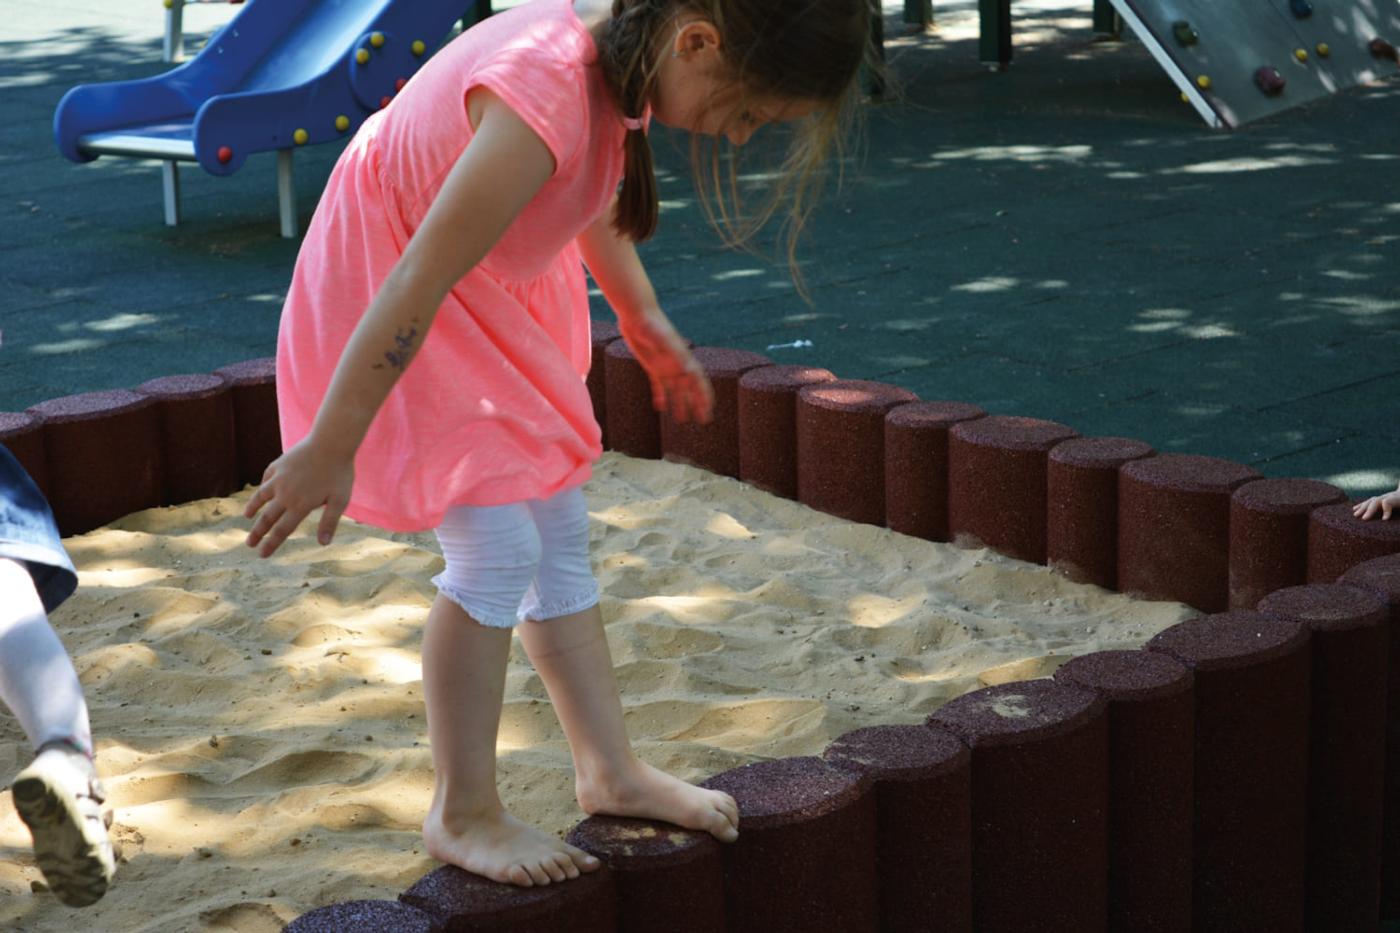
(537,873)
(554,870)
(581,859)
(517,874)
(566,866)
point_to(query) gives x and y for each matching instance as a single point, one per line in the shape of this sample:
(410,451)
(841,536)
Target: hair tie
(637,123)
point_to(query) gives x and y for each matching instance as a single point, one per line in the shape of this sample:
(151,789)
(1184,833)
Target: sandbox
(261,727)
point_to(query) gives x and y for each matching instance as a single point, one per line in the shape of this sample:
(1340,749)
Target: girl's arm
(678,384)
(498,173)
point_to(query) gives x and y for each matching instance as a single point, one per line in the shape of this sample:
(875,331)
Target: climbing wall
(1237,62)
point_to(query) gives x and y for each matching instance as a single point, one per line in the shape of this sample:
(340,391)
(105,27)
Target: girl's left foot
(649,793)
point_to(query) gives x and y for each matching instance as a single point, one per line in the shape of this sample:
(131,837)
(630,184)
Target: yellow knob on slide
(342,123)
(362,56)
(169,4)
(1203,82)
(418,47)
(1324,49)
(1300,54)
(300,137)
(376,39)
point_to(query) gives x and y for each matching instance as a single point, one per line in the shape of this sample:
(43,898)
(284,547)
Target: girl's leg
(37,680)
(491,555)
(58,796)
(569,649)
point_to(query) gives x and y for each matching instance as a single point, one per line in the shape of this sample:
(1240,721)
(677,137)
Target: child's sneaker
(60,798)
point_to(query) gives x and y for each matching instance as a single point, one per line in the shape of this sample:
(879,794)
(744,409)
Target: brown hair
(799,50)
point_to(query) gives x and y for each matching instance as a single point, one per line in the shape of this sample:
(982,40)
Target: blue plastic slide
(281,74)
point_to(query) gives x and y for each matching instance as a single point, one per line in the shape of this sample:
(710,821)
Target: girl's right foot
(60,798)
(500,847)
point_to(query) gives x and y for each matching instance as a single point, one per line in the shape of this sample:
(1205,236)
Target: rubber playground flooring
(1065,240)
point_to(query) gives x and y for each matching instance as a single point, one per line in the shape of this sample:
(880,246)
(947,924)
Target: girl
(58,796)
(466,210)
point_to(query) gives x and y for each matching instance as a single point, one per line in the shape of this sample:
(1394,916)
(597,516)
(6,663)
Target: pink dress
(494,408)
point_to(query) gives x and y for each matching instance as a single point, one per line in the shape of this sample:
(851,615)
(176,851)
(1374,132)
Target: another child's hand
(678,384)
(301,480)
(1384,504)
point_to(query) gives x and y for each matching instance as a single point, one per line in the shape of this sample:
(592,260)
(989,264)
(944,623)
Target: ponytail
(625,52)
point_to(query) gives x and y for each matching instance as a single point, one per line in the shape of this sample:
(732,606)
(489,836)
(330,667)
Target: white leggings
(527,560)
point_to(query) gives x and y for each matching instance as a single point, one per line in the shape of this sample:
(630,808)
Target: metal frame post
(286,194)
(173,49)
(170,187)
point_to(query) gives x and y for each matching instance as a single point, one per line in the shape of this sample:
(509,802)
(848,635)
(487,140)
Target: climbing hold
(1184,98)
(1383,49)
(300,137)
(362,56)
(224,155)
(384,101)
(1269,80)
(342,123)
(1300,54)
(376,39)
(399,84)
(418,47)
(1184,32)
(1203,82)
(1323,49)
(1302,9)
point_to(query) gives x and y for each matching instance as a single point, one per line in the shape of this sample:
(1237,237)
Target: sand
(260,724)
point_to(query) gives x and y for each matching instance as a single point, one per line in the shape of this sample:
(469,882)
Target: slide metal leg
(170,185)
(286,194)
(994,42)
(174,46)
(1107,22)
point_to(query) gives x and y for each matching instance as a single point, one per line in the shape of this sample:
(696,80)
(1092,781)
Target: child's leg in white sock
(37,680)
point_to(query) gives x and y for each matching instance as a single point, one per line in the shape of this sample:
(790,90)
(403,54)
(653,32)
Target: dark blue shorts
(28,534)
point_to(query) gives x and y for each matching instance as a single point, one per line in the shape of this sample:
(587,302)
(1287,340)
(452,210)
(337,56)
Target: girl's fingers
(325,531)
(260,496)
(265,521)
(285,526)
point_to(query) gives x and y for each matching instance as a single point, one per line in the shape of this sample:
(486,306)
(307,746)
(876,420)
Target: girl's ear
(695,37)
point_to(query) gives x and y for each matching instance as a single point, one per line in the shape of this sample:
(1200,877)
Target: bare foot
(646,792)
(500,847)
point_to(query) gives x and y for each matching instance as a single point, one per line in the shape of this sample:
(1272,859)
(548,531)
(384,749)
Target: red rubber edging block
(1346,756)
(667,878)
(1251,781)
(199,450)
(459,900)
(805,856)
(633,426)
(1269,535)
(1081,501)
(602,333)
(1174,528)
(378,916)
(916,466)
(22,434)
(1039,805)
(1338,541)
(841,446)
(713,446)
(997,483)
(923,816)
(1151,750)
(255,420)
(768,425)
(1381,577)
(103,456)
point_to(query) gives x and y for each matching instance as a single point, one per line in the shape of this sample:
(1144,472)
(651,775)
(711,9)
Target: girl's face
(694,94)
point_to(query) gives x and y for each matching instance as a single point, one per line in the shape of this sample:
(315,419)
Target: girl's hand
(302,479)
(1385,504)
(678,384)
